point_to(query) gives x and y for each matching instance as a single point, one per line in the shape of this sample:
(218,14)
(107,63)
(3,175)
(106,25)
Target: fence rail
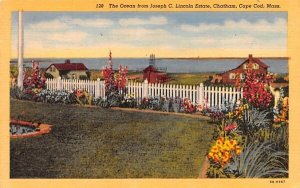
(213,96)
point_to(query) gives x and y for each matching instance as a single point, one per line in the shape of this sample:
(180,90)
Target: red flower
(255,89)
(231,127)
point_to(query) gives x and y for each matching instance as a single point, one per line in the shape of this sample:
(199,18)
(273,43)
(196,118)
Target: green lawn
(176,78)
(189,78)
(106,143)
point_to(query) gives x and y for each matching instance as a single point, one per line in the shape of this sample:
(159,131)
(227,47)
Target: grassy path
(108,143)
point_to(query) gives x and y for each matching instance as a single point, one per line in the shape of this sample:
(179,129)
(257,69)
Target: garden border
(44,129)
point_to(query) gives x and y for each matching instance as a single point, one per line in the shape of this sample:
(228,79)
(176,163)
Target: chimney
(67,61)
(250,58)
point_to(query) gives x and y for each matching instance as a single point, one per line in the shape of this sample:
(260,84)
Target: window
(255,66)
(52,69)
(242,76)
(232,76)
(245,66)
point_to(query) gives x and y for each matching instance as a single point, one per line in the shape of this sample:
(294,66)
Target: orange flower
(221,151)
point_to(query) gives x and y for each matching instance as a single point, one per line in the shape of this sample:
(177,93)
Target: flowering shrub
(223,150)
(282,116)
(230,127)
(216,116)
(248,123)
(204,107)
(176,105)
(34,83)
(129,101)
(256,89)
(166,105)
(49,96)
(152,103)
(188,106)
(114,84)
(238,112)
(81,97)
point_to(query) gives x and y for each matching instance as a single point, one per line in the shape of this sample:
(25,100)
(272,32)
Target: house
(68,70)
(230,76)
(152,75)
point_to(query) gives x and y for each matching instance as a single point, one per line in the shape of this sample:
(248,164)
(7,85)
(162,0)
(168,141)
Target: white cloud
(139,33)
(67,23)
(240,42)
(91,22)
(278,26)
(69,36)
(52,25)
(74,33)
(153,20)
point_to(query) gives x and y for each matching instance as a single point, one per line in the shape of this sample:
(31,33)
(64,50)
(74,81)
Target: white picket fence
(96,88)
(199,94)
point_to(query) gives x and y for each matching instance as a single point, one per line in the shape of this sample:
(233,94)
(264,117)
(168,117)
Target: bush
(81,97)
(128,102)
(253,120)
(49,96)
(16,92)
(259,160)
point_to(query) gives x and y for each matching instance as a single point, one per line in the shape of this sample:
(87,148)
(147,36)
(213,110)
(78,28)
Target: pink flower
(231,127)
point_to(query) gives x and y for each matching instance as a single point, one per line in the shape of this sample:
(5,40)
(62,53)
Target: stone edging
(43,128)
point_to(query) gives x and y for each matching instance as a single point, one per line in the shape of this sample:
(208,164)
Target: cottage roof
(150,68)
(68,66)
(250,59)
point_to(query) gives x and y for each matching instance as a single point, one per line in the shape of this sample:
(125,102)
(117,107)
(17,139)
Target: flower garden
(249,138)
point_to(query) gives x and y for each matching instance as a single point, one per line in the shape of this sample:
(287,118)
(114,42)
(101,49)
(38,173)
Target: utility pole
(20,50)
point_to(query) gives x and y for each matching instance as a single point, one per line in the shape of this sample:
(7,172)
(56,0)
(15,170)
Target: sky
(138,34)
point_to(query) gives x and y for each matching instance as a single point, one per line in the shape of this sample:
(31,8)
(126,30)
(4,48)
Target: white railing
(198,94)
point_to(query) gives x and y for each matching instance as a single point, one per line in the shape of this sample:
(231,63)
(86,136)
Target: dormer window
(245,66)
(52,69)
(255,66)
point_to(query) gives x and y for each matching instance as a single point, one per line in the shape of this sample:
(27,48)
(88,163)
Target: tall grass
(259,160)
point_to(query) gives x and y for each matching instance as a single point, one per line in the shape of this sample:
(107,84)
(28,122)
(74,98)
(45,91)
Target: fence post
(200,90)
(58,83)
(145,88)
(97,88)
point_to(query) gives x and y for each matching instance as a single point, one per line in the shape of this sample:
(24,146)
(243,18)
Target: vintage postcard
(149,93)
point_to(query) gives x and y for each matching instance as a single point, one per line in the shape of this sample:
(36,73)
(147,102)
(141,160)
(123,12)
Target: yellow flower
(226,157)
(219,143)
(210,155)
(214,149)
(233,142)
(238,150)
(216,158)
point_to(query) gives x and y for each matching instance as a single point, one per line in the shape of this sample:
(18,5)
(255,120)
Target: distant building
(68,70)
(153,74)
(230,76)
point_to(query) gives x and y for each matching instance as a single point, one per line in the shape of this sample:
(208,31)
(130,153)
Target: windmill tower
(152,60)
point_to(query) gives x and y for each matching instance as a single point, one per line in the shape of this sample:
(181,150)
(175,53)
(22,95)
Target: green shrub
(253,120)
(16,92)
(259,160)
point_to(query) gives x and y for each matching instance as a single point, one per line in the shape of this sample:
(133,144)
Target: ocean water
(171,65)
